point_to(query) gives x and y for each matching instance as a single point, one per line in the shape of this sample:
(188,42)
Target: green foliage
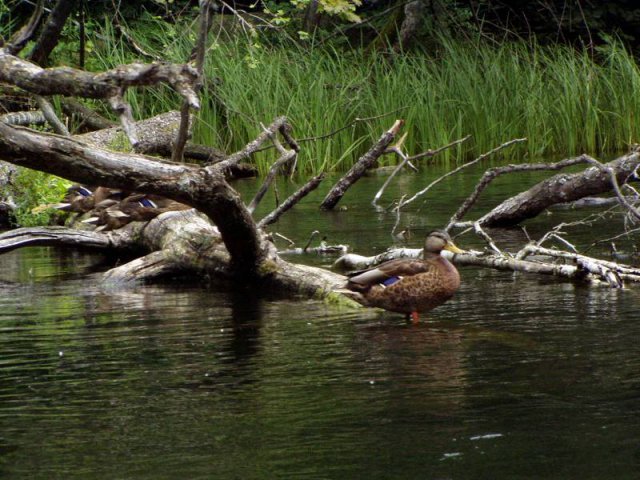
(343,9)
(7,23)
(31,189)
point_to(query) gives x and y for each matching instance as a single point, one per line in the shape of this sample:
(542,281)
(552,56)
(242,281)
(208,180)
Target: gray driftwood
(560,188)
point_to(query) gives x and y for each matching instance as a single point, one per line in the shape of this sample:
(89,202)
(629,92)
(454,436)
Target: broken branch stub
(360,167)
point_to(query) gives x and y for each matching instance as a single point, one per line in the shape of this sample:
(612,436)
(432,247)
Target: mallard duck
(410,286)
(135,208)
(81,199)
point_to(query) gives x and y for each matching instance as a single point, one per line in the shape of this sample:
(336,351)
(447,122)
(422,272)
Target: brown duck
(410,286)
(135,208)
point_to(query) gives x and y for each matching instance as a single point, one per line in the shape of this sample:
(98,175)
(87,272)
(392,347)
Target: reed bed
(564,101)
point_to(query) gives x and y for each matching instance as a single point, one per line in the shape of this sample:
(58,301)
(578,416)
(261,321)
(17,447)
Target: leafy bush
(31,189)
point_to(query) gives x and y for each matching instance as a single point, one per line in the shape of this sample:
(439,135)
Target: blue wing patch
(145,202)
(390,281)
(84,191)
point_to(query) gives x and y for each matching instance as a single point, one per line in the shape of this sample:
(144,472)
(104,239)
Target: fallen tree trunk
(232,247)
(561,188)
(155,137)
(179,243)
(203,188)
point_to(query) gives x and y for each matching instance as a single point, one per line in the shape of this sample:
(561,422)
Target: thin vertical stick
(198,56)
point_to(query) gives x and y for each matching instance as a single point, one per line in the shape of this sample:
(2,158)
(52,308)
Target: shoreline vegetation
(564,101)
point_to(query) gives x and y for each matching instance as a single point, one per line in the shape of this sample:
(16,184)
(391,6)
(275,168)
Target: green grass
(563,101)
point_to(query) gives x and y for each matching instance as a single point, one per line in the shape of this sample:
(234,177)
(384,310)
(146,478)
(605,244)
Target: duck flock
(110,209)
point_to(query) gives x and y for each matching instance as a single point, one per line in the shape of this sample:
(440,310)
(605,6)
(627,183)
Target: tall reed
(565,102)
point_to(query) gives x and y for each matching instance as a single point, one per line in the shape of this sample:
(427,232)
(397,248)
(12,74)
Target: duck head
(437,241)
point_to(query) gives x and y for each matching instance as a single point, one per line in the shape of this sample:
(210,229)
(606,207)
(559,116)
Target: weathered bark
(72,82)
(360,167)
(560,188)
(35,117)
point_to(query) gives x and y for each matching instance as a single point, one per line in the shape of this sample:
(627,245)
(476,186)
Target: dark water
(517,377)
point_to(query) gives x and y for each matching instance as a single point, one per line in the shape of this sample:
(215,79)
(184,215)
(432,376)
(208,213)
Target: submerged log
(177,243)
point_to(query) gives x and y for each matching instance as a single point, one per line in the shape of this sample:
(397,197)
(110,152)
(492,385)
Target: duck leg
(415,317)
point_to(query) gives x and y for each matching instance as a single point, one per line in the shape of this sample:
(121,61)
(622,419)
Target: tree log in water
(232,247)
(561,188)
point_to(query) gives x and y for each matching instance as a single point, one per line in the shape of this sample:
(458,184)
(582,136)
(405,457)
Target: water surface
(518,376)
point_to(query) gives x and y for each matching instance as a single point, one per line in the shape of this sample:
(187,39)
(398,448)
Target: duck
(410,286)
(82,199)
(137,207)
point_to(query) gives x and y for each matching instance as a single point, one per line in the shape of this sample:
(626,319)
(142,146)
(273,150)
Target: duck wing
(388,273)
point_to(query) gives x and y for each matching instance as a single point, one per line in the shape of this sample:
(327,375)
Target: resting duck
(410,286)
(82,199)
(138,207)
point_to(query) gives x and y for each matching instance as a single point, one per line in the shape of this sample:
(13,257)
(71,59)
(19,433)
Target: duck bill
(450,246)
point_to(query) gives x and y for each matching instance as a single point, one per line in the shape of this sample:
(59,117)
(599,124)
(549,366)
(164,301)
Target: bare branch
(588,269)
(495,172)
(57,236)
(360,167)
(50,115)
(252,146)
(466,165)
(198,53)
(406,160)
(73,82)
(287,157)
(310,186)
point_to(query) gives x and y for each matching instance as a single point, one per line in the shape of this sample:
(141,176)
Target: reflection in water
(515,377)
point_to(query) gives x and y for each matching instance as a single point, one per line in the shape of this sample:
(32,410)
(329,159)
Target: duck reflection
(419,358)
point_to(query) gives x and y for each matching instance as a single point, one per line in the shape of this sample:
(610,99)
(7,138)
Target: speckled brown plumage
(421,285)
